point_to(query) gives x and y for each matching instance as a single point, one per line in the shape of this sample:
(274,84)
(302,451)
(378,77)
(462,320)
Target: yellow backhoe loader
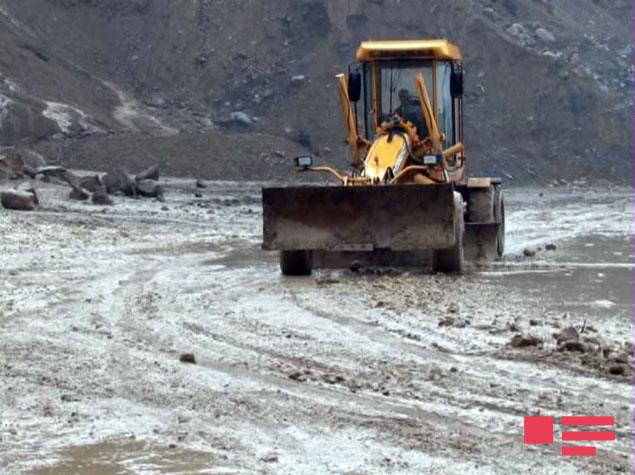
(407,200)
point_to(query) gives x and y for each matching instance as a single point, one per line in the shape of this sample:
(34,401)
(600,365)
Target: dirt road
(378,371)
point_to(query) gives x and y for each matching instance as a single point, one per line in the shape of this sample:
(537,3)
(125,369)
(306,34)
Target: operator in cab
(410,110)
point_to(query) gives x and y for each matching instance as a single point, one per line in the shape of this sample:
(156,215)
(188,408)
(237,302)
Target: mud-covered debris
(100,195)
(297,376)
(200,184)
(198,195)
(524,341)
(78,193)
(14,165)
(90,183)
(534,323)
(333,378)
(270,458)
(453,308)
(150,173)
(187,358)
(567,334)
(446,322)
(328,281)
(355,266)
(622,358)
(529,252)
(18,200)
(550,247)
(573,345)
(617,369)
(150,189)
(118,181)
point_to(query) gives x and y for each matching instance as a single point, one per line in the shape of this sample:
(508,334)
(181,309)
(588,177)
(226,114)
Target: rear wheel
(296,262)
(452,260)
(480,205)
(499,215)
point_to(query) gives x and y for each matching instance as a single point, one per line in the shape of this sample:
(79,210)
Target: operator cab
(387,71)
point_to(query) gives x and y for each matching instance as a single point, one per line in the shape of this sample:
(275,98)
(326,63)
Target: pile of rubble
(26,165)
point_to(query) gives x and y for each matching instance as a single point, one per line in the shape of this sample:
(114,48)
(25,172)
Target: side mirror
(456,82)
(354,86)
(303,161)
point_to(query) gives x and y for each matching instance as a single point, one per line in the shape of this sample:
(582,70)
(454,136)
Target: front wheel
(452,260)
(296,262)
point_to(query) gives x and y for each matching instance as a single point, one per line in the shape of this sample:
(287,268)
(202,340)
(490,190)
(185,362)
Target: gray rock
(187,358)
(150,189)
(119,181)
(150,173)
(200,184)
(241,118)
(550,247)
(617,370)
(573,345)
(524,341)
(100,195)
(545,35)
(490,13)
(79,194)
(90,183)
(516,29)
(157,102)
(19,200)
(567,334)
(529,252)
(298,80)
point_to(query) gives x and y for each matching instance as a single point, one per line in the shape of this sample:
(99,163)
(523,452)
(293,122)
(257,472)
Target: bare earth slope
(548,82)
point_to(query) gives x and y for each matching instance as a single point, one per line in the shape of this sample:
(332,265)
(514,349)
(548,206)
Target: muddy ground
(377,371)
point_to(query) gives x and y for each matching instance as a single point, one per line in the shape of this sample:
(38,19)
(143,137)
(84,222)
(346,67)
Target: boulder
(100,195)
(5,172)
(119,181)
(523,341)
(90,183)
(241,118)
(545,35)
(200,184)
(78,193)
(187,358)
(150,189)
(19,200)
(573,345)
(15,163)
(567,334)
(150,173)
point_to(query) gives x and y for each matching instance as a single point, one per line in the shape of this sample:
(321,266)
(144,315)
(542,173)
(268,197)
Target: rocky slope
(217,88)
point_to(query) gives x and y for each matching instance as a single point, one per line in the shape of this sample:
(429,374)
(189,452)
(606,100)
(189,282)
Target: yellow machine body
(403,111)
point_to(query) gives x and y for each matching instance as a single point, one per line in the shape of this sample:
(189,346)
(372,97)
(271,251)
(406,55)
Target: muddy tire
(480,205)
(499,215)
(452,259)
(296,262)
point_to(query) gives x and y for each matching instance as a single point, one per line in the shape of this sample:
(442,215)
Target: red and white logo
(539,430)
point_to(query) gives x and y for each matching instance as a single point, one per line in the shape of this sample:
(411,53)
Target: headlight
(303,161)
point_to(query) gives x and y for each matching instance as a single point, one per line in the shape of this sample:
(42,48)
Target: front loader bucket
(358,218)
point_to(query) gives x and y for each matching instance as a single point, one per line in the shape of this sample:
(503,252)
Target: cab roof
(408,49)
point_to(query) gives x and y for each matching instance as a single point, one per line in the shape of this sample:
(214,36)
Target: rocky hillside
(232,88)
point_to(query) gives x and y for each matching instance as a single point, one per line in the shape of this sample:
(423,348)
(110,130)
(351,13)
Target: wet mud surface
(375,371)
